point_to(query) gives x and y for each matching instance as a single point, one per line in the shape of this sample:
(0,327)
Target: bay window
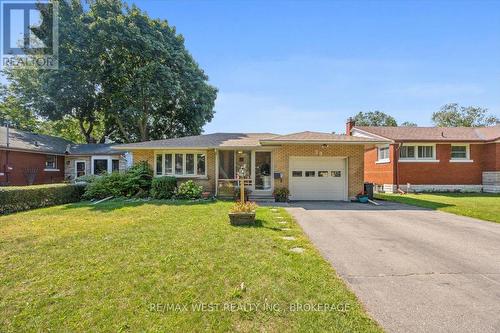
(189,164)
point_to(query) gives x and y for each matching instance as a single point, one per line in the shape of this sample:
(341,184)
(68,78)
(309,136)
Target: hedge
(18,198)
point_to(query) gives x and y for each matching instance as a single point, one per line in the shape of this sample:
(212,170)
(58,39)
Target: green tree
(121,75)
(374,118)
(408,124)
(454,115)
(12,112)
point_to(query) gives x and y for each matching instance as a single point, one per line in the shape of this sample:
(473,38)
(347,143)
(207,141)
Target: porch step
(261,198)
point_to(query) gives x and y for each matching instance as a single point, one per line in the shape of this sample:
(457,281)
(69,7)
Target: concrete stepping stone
(286,229)
(282,222)
(279,217)
(290,238)
(297,249)
(274,210)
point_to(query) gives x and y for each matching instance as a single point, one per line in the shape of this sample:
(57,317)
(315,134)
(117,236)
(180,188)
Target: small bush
(281,194)
(189,190)
(15,199)
(86,179)
(244,207)
(163,187)
(105,186)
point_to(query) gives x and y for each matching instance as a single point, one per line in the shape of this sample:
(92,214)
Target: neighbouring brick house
(314,166)
(29,158)
(432,158)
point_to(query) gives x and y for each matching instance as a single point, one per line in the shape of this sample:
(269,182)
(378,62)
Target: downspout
(396,160)
(6,166)
(216,171)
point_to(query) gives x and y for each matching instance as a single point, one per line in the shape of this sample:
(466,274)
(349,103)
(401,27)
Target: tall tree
(13,113)
(455,115)
(374,118)
(408,124)
(121,75)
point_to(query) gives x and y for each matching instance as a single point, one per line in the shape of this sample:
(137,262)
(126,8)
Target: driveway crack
(421,274)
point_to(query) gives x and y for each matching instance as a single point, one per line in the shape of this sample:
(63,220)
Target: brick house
(29,158)
(314,166)
(432,158)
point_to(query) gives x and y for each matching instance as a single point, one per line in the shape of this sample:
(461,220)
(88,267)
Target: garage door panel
(329,187)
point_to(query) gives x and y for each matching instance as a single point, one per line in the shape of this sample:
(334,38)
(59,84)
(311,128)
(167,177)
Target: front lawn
(158,266)
(479,205)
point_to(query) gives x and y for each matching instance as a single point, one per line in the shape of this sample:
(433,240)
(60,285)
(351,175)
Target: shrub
(163,187)
(244,207)
(138,180)
(135,182)
(18,198)
(189,190)
(105,186)
(86,179)
(281,194)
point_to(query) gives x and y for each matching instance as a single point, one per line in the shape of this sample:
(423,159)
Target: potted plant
(242,213)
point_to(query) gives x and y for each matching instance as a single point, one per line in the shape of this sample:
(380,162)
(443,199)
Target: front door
(263,176)
(80,168)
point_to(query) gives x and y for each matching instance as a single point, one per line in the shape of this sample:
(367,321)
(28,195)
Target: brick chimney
(349,125)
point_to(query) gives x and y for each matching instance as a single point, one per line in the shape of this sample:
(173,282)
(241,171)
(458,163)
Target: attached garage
(317,178)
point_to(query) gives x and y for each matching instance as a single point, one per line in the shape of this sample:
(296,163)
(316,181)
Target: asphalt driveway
(416,270)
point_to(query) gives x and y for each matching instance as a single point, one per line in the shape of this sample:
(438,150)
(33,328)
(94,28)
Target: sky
(288,66)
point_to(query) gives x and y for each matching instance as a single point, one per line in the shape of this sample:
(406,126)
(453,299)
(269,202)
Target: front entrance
(258,166)
(317,178)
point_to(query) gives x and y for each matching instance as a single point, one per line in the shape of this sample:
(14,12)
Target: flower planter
(242,218)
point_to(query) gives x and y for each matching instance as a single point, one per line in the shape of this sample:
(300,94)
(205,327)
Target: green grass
(479,205)
(80,267)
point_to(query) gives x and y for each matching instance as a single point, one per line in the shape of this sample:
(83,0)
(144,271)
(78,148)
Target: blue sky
(285,66)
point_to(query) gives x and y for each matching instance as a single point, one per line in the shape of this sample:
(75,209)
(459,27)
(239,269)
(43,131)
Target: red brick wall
(444,172)
(21,160)
(379,173)
(491,157)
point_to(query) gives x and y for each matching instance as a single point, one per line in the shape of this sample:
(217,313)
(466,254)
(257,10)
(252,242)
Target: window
(200,164)
(51,162)
(179,161)
(180,164)
(310,173)
(100,166)
(459,152)
(115,165)
(407,152)
(296,173)
(158,164)
(168,164)
(189,164)
(383,154)
(336,174)
(417,152)
(80,168)
(322,173)
(426,152)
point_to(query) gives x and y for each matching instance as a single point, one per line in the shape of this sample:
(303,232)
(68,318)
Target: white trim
(384,161)
(467,152)
(461,161)
(371,135)
(422,160)
(49,170)
(109,165)
(195,175)
(76,168)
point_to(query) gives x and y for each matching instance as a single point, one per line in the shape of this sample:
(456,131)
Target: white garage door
(317,178)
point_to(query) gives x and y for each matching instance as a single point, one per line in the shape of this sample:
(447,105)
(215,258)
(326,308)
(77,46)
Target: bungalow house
(314,166)
(29,158)
(432,158)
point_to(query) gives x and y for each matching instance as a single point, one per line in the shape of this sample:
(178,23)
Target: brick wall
(354,153)
(444,172)
(382,173)
(208,183)
(20,161)
(491,157)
